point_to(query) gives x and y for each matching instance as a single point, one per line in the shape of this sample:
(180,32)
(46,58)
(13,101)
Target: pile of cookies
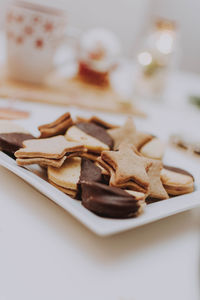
(114,171)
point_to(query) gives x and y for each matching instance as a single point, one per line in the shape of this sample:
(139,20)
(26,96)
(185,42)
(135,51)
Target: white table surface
(45,254)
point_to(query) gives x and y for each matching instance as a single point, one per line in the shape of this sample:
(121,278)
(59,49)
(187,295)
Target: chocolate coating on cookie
(11,142)
(89,171)
(109,201)
(178,170)
(97,132)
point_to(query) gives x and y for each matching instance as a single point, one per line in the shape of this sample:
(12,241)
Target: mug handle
(68,50)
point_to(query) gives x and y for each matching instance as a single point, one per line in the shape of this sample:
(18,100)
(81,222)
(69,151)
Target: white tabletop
(46,254)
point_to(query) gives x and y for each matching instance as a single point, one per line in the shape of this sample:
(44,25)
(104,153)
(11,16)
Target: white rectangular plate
(103,226)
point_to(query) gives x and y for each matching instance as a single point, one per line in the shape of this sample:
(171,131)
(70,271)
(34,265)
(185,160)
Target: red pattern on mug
(36,19)
(28,30)
(10,17)
(20,19)
(32,28)
(39,43)
(48,27)
(19,40)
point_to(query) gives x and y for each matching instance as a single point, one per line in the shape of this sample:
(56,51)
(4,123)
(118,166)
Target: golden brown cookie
(57,127)
(137,195)
(109,172)
(98,121)
(56,163)
(68,175)
(153,149)
(127,167)
(94,138)
(177,181)
(53,147)
(44,162)
(69,192)
(156,189)
(100,163)
(128,133)
(90,155)
(73,172)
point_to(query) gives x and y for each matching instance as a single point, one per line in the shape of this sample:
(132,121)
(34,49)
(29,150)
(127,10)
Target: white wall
(130,18)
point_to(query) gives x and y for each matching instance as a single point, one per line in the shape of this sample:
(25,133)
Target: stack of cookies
(72,174)
(129,170)
(51,151)
(113,170)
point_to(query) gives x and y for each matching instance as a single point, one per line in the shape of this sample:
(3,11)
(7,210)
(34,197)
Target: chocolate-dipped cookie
(12,136)
(111,202)
(94,137)
(127,168)
(73,173)
(89,171)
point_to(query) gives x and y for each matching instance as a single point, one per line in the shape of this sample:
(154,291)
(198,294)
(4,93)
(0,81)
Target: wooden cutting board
(65,91)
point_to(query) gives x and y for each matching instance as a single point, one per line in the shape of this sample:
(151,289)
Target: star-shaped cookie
(108,171)
(128,133)
(156,189)
(53,147)
(48,152)
(128,166)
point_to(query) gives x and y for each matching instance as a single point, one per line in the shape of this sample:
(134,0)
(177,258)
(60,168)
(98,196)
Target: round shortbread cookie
(153,149)
(177,181)
(68,175)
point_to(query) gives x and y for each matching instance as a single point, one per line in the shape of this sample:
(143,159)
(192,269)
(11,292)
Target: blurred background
(131,19)
(155,79)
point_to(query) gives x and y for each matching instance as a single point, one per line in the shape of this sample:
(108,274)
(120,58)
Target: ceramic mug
(34,33)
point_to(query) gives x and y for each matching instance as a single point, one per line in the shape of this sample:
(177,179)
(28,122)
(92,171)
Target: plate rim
(59,198)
